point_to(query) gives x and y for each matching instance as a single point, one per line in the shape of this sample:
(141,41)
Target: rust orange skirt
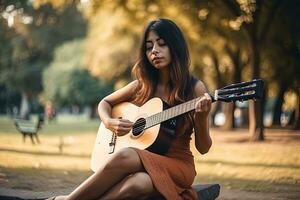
(172,177)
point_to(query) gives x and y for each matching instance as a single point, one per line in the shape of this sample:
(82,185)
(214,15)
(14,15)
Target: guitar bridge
(112,144)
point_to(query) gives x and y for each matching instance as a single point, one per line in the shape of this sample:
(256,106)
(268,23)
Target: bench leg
(24,137)
(37,138)
(31,137)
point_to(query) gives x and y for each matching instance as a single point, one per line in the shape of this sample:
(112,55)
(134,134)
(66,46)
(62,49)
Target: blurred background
(59,58)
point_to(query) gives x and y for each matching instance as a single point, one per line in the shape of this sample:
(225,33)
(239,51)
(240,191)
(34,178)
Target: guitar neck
(231,93)
(171,112)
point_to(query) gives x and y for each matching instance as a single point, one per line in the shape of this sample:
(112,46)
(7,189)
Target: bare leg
(135,186)
(125,162)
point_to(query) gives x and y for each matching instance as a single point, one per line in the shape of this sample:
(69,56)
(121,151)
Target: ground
(245,170)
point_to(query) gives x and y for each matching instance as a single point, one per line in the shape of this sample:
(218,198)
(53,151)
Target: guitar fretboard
(231,93)
(170,113)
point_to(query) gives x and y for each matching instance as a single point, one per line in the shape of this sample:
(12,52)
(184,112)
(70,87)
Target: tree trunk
(256,111)
(94,111)
(214,57)
(235,56)
(220,83)
(214,110)
(255,121)
(296,124)
(245,117)
(278,104)
(229,116)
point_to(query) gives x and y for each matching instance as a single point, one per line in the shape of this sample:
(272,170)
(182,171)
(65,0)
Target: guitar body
(151,138)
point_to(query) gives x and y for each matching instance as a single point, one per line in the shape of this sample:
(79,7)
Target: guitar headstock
(240,91)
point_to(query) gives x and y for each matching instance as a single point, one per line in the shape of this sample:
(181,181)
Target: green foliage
(117,27)
(110,52)
(115,31)
(228,39)
(283,46)
(28,46)
(76,86)
(67,82)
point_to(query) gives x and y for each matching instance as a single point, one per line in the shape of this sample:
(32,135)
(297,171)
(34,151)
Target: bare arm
(203,141)
(119,126)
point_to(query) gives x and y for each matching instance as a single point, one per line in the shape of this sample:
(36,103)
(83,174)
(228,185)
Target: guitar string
(140,127)
(186,103)
(160,119)
(139,124)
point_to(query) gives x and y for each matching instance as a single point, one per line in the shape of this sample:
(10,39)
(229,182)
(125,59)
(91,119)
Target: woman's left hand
(203,105)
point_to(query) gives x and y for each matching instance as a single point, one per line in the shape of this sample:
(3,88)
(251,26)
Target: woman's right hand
(118,125)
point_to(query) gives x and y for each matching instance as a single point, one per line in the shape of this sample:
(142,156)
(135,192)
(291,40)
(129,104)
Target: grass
(269,167)
(77,139)
(251,166)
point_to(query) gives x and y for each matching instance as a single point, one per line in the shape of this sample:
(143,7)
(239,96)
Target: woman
(162,70)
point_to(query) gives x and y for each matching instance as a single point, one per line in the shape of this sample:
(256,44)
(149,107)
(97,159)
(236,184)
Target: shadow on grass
(268,189)
(45,153)
(40,179)
(236,164)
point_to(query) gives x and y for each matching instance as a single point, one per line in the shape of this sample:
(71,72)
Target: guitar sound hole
(138,126)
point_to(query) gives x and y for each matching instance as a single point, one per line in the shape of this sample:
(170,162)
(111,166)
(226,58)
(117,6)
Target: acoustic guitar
(154,123)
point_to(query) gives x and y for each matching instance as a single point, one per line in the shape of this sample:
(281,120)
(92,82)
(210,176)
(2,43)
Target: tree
(284,42)
(68,82)
(36,32)
(238,31)
(261,16)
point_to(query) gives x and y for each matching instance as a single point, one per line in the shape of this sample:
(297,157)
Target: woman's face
(157,51)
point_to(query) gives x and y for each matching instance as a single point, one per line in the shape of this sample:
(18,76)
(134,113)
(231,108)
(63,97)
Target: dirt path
(226,194)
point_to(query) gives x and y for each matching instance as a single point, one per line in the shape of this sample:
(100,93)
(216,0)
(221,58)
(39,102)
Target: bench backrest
(28,126)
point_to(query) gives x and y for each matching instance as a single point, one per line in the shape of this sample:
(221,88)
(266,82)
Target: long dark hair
(181,82)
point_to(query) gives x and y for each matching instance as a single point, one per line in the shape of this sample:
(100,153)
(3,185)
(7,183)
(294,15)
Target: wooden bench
(208,191)
(204,192)
(29,128)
